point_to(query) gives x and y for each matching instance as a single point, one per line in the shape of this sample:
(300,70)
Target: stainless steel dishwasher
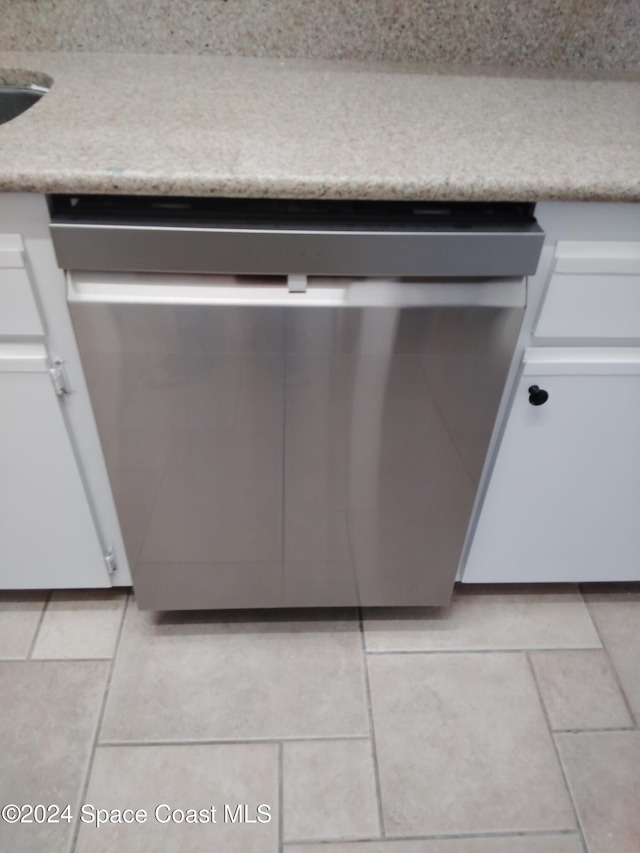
(294,399)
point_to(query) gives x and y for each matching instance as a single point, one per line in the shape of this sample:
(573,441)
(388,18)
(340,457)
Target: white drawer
(594,292)
(19,313)
(11,249)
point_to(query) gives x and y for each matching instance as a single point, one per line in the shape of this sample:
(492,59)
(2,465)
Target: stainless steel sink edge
(19,91)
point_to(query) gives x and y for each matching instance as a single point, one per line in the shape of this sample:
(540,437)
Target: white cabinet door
(48,537)
(563,500)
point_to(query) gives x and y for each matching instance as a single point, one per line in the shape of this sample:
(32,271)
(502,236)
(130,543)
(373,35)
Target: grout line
(229,741)
(38,626)
(280,797)
(635,720)
(103,706)
(484,651)
(585,604)
(71,660)
(374,751)
(595,730)
(557,754)
(390,840)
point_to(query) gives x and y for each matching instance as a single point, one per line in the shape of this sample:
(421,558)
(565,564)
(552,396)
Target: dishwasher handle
(166,289)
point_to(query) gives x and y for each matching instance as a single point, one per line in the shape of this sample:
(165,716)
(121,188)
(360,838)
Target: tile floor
(506,723)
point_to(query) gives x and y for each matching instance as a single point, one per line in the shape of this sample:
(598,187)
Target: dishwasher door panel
(276,456)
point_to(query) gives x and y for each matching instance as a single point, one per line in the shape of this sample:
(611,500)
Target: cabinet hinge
(58,374)
(110,559)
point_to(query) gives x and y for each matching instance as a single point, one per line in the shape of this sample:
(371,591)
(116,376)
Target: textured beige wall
(543,34)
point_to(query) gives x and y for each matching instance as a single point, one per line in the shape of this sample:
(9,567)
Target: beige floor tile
(19,616)
(49,713)
(548,843)
(580,690)
(329,790)
(193,676)
(80,624)
(463,746)
(487,617)
(184,777)
(603,772)
(616,612)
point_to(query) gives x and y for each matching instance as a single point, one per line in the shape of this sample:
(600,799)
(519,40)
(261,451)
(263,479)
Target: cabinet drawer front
(11,249)
(19,313)
(594,293)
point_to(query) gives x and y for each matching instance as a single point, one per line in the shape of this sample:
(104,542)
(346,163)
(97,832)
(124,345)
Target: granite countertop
(231,126)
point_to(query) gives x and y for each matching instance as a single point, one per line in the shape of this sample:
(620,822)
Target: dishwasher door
(277,449)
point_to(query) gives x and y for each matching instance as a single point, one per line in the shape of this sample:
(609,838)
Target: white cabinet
(19,313)
(560,498)
(47,535)
(563,500)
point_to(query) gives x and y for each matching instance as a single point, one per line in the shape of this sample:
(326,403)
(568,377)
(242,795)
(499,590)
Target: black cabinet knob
(537,396)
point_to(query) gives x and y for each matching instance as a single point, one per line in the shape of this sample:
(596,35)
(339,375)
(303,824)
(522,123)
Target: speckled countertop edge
(214,126)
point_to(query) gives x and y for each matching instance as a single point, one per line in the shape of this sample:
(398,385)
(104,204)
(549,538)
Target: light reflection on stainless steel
(271,456)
